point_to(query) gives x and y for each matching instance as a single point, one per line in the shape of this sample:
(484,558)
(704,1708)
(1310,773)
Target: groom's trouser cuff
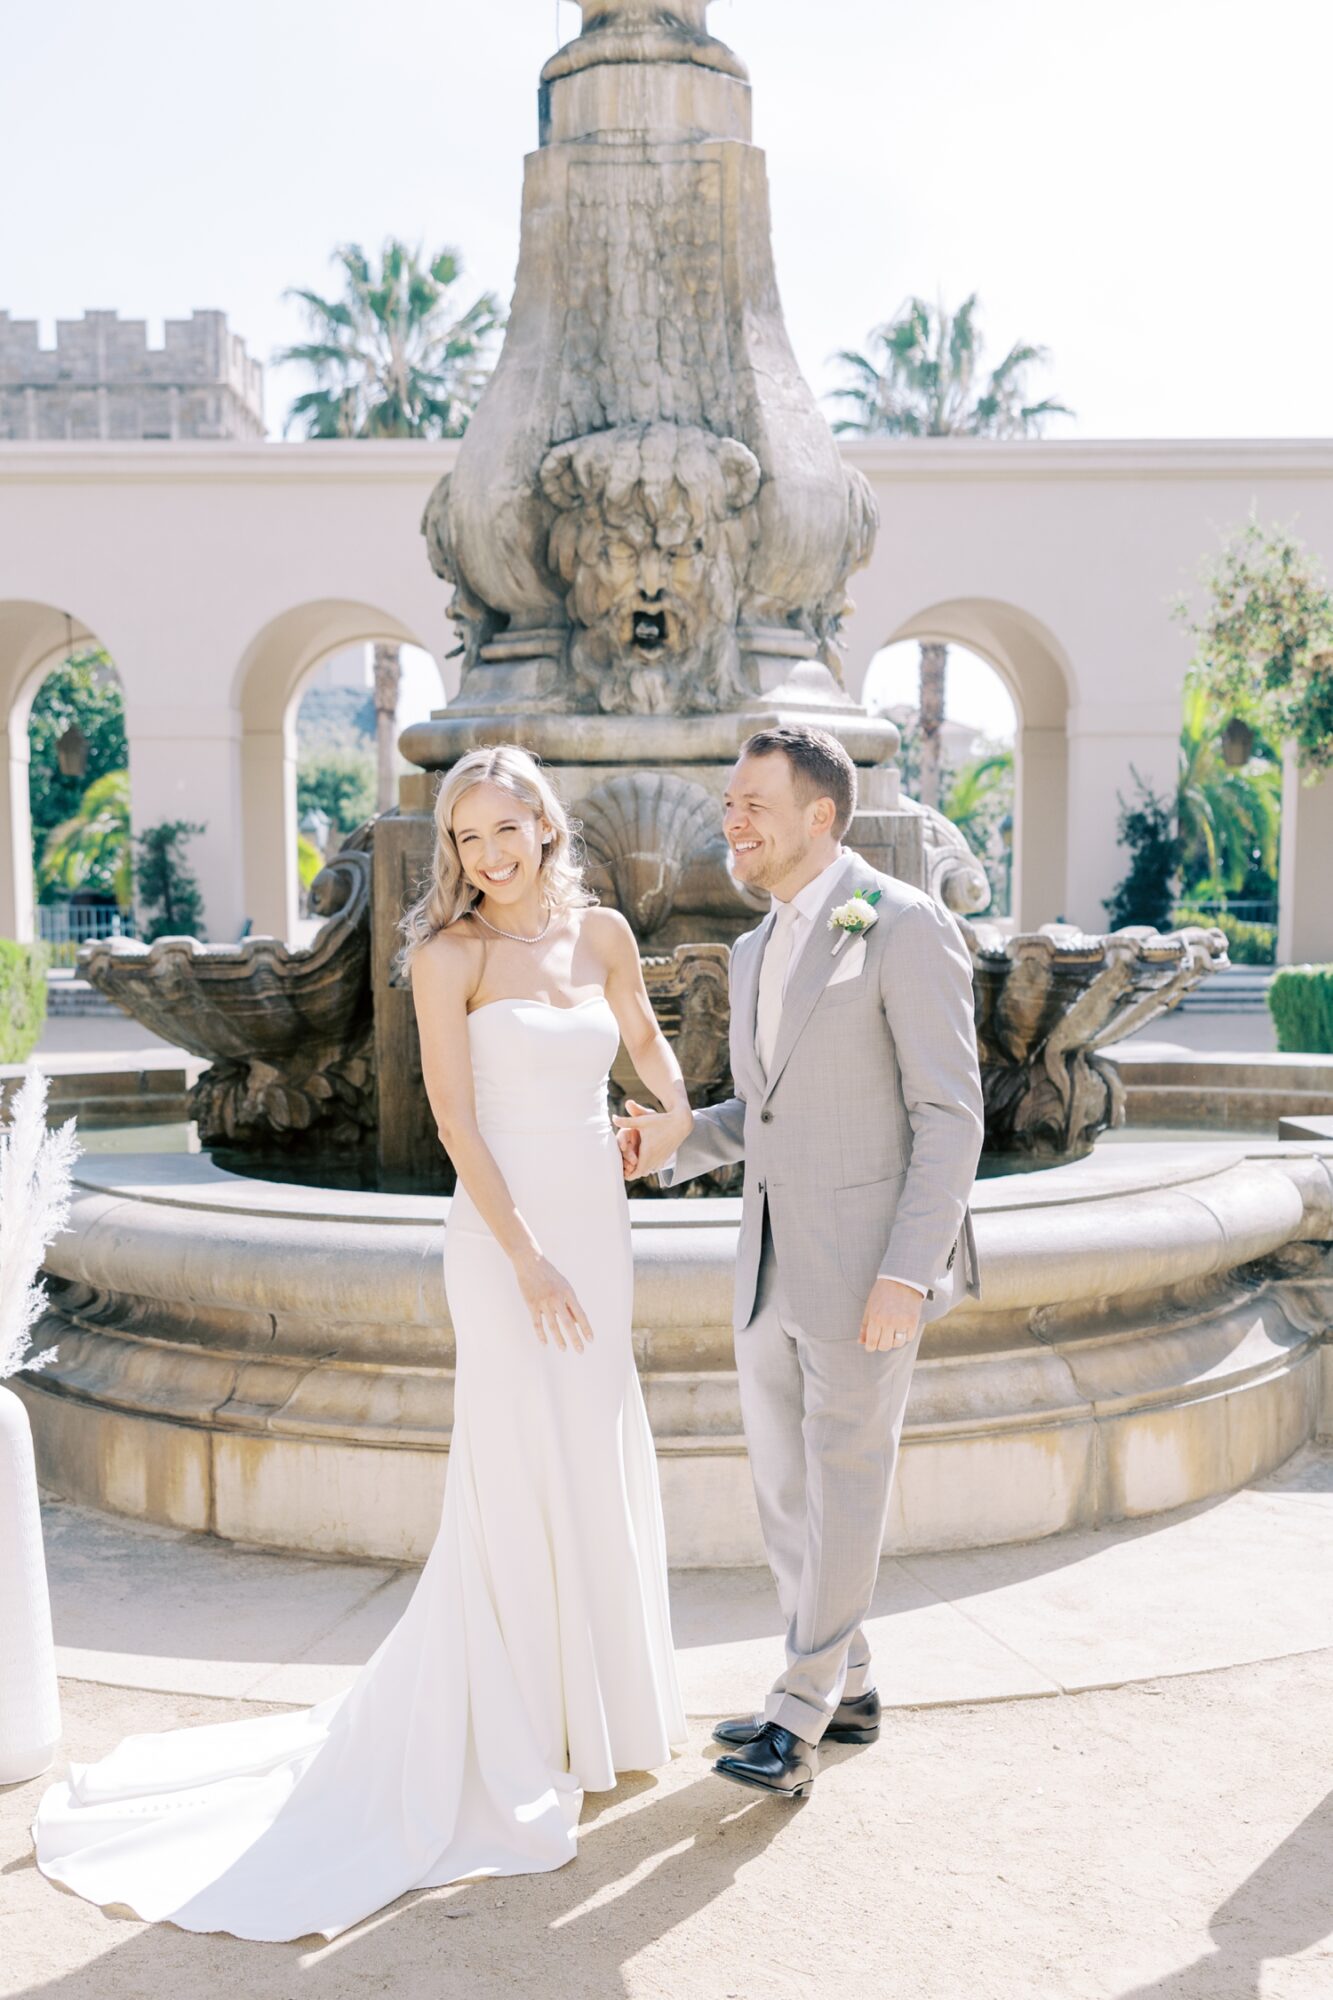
(803,1720)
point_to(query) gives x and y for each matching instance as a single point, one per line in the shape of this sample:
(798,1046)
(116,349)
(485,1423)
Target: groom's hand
(647,1139)
(892,1315)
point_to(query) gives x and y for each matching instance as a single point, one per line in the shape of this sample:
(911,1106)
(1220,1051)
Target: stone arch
(34,637)
(1036,671)
(270,678)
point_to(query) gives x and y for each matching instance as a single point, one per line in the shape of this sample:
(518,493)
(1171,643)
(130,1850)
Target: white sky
(973,691)
(1143,186)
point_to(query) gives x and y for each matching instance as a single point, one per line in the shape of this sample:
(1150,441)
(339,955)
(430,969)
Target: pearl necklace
(515,937)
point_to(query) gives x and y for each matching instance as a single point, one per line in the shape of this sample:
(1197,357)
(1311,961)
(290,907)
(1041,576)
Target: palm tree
(392,358)
(921,379)
(1226,816)
(91,849)
(925,382)
(978,792)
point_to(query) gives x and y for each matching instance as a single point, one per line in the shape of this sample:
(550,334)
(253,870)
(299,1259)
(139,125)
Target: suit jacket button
(765,1117)
(760,1188)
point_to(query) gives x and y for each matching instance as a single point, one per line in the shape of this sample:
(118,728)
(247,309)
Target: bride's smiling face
(499,841)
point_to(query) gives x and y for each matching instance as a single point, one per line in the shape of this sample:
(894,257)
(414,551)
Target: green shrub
(1247,944)
(1300,1000)
(1149,887)
(22,998)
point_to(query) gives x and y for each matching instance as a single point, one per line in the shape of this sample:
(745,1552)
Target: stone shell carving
(651,537)
(642,833)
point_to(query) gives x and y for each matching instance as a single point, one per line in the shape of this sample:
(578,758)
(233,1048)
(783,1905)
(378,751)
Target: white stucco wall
(217,575)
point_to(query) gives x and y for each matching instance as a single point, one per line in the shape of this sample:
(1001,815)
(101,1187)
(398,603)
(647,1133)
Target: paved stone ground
(1167,1841)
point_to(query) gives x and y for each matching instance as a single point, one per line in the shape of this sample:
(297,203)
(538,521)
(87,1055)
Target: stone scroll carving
(475,622)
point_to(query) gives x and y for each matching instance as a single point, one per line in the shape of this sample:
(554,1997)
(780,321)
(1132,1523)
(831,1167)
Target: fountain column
(649,530)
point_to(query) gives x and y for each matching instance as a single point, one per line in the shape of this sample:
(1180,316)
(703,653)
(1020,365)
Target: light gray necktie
(772,979)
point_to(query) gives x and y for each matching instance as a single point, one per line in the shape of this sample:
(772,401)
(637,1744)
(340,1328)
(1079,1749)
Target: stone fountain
(649,535)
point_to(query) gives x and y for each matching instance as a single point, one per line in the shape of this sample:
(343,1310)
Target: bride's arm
(645,1044)
(444,973)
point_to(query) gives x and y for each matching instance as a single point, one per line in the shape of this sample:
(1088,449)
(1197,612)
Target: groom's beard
(772,867)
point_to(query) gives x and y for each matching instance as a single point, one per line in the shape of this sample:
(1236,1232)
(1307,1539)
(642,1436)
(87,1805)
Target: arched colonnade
(217,576)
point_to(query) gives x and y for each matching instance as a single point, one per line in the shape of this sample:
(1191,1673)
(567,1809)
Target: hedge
(1301,1002)
(22,998)
(1247,944)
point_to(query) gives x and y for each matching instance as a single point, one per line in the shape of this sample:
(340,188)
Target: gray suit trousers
(822,1422)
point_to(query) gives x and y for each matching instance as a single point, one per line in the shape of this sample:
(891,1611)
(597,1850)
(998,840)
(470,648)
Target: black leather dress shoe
(854,1721)
(776,1761)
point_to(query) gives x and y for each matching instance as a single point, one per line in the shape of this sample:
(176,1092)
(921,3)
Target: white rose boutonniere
(854,917)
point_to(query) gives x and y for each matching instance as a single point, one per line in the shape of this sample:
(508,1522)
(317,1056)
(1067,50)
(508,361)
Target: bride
(534,1659)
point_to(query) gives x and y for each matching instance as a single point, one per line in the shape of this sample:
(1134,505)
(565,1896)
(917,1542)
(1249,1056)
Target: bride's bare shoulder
(452,959)
(608,933)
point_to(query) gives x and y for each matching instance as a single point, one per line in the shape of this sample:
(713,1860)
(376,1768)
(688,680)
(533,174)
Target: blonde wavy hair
(448,894)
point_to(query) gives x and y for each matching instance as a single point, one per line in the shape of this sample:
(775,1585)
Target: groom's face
(768,828)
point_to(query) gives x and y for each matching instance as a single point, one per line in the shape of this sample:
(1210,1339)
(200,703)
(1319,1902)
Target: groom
(858,1115)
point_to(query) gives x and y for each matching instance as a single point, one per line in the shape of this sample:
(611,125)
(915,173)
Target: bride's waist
(505,1124)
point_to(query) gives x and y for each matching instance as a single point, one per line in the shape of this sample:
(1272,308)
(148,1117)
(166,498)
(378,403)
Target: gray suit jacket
(863,1138)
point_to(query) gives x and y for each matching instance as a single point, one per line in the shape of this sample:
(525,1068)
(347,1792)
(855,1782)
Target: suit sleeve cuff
(910,1283)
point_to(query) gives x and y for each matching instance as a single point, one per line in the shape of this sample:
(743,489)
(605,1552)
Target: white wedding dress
(534,1659)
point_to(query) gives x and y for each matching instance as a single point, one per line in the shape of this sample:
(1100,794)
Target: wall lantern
(1237,743)
(72,752)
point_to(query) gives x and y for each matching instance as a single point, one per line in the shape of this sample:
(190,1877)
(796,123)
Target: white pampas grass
(36,1167)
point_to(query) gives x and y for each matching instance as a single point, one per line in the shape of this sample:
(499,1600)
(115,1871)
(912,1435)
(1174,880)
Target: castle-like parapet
(103,380)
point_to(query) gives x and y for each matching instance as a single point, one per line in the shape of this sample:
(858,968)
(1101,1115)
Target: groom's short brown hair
(820,767)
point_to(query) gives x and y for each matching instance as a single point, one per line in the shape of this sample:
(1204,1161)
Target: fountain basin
(274,1364)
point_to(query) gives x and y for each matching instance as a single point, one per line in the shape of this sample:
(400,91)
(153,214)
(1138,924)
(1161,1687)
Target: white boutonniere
(854,917)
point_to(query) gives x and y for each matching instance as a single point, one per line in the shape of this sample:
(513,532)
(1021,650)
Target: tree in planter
(168,891)
(1263,647)
(1149,889)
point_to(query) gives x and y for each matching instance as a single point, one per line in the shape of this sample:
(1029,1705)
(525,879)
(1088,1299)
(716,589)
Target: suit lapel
(812,970)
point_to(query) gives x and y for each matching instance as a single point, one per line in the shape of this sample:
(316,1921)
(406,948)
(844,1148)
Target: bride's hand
(553,1305)
(658,1134)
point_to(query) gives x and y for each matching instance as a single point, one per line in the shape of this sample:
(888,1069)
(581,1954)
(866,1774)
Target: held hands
(552,1304)
(892,1315)
(647,1139)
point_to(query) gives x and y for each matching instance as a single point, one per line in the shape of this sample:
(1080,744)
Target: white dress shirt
(808,904)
